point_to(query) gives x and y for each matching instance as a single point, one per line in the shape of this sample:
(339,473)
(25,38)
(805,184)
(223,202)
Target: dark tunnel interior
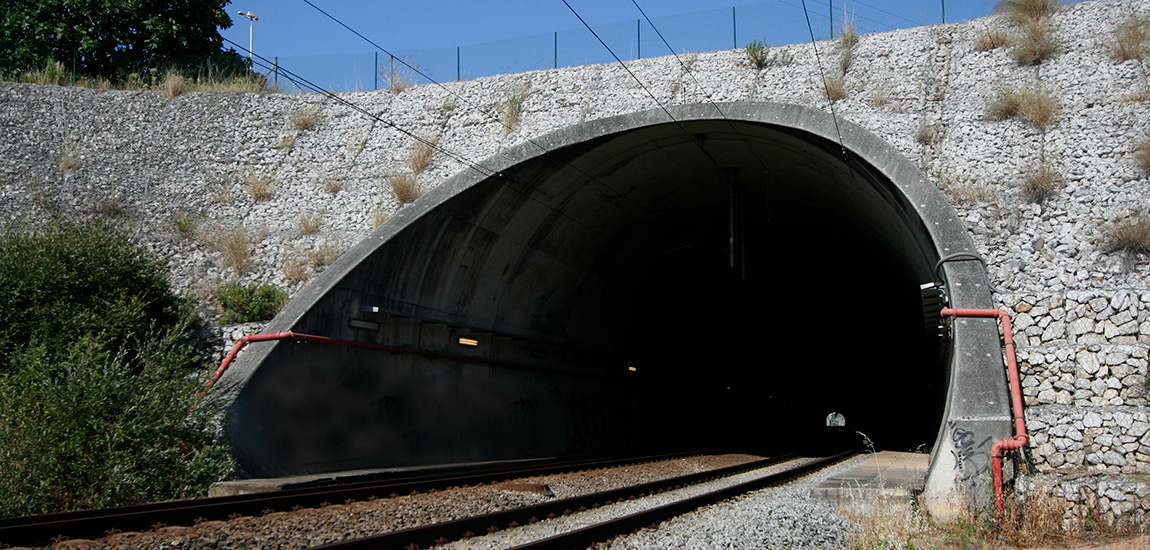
(617,252)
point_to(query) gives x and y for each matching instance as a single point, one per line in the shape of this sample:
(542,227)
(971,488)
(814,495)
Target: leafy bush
(96,376)
(245,303)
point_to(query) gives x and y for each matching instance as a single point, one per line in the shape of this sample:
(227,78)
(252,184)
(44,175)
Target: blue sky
(456,38)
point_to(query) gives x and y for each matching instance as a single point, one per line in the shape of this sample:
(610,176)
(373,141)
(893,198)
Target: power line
(823,76)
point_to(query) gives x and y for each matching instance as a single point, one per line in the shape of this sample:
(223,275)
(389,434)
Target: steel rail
(438,533)
(582,538)
(42,530)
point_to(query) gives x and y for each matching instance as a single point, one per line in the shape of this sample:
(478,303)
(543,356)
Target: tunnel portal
(714,282)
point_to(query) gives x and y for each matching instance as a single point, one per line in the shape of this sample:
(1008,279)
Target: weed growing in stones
(109,208)
(421,156)
(513,110)
(304,118)
(325,254)
(1034,105)
(758,54)
(928,134)
(404,187)
(260,188)
(1041,184)
(186,224)
(1131,235)
(174,83)
(1021,11)
(1130,39)
(251,302)
(990,38)
(235,247)
(332,185)
(849,34)
(310,222)
(1036,43)
(396,78)
(1142,154)
(879,95)
(287,142)
(378,217)
(295,269)
(835,87)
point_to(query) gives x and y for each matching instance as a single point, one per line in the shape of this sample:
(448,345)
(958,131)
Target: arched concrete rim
(966,280)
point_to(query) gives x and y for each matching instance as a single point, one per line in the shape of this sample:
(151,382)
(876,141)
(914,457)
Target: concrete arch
(569,266)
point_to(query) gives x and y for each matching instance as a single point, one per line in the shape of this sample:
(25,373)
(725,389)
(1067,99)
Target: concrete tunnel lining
(561,230)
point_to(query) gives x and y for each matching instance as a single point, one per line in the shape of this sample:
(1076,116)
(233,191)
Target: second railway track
(556,525)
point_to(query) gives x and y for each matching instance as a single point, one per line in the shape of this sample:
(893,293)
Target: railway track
(46,529)
(443,533)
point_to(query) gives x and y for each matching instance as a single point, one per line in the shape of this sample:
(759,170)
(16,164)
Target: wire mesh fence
(777,22)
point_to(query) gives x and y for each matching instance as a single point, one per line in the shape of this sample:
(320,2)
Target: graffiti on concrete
(971,457)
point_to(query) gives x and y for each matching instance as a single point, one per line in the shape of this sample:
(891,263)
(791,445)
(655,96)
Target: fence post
(276,70)
(831,13)
(375,72)
(556,58)
(638,39)
(734,30)
(943,11)
(458,70)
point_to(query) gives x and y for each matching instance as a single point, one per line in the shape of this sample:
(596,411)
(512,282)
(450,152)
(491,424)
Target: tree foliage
(115,38)
(96,375)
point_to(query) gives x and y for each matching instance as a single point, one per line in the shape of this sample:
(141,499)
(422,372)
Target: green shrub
(96,376)
(758,53)
(245,303)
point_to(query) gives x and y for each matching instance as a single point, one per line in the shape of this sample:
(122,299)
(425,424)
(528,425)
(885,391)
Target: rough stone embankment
(242,186)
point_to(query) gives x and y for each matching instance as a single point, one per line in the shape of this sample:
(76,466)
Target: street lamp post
(252,18)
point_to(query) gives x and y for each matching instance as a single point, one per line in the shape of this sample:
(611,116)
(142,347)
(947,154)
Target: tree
(114,38)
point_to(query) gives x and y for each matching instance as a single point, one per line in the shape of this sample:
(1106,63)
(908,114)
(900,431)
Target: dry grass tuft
(1034,518)
(879,95)
(310,222)
(378,217)
(928,134)
(234,245)
(513,110)
(260,188)
(421,156)
(835,87)
(325,254)
(52,73)
(1021,11)
(849,34)
(405,188)
(1041,184)
(396,79)
(332,185)
(966,190)
(69,161)
(1142,154)
(1036,43)
(109,208)
(888,523)
(304,118)
(1130,235)
(1037,106)
(1130,38)
(287,142)
(186,225)
(295,268)
(174,83)
(991,38)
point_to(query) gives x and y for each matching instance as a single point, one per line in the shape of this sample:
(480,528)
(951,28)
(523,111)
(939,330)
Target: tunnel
(716,278)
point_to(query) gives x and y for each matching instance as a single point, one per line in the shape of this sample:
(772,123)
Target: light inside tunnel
(752,278)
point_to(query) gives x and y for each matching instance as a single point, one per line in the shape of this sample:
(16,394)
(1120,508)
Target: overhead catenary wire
(463,100)
(823,76)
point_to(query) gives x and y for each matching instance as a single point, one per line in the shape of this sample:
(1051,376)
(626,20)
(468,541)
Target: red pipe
(1020,436)
(288,335)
